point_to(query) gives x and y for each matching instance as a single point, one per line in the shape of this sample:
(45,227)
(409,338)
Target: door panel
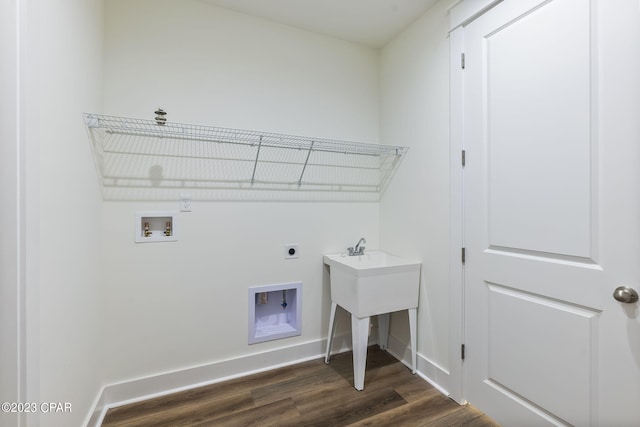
(538,131)
(523,327)
(552,212)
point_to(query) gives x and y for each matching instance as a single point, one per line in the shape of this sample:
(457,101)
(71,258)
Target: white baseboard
(428,370)
(136,390)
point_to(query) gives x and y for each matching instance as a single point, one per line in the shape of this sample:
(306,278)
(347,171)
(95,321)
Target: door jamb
(461,13)
(456,216)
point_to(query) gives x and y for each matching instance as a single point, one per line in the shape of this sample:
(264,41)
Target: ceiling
(369,22)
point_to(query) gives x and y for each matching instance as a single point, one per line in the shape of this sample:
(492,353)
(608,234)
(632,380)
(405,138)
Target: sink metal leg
(359,338)
(383,330)
(332,330)
(413,322)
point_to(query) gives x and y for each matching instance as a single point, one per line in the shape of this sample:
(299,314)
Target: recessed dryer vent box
(275,311)
(155,227)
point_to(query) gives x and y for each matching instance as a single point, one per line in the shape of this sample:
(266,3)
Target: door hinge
(462,351)
(462,60)
(464,255)
(464,157)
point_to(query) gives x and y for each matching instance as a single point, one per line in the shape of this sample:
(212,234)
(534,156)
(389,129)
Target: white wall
(414,212)
(171,306)
(9,201)
(212,66)
(64,210)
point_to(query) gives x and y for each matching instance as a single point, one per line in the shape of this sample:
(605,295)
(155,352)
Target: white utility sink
(372,284)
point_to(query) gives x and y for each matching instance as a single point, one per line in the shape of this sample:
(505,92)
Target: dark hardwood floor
(307,394)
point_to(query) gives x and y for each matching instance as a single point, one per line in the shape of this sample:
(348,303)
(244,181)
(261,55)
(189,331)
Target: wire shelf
(142,154)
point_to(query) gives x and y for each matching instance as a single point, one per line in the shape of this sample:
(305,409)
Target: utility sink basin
(373,283)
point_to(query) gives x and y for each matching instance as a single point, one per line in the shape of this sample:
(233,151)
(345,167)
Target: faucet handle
(361,250)
(350,250)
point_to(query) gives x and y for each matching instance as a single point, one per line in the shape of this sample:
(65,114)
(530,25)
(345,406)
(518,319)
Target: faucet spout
(357,250)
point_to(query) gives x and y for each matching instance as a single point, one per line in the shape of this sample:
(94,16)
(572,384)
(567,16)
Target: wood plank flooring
(307,394)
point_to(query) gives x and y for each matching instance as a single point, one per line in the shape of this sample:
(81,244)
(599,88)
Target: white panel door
(552,212)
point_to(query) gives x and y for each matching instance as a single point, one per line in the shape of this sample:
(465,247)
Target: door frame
(461,13)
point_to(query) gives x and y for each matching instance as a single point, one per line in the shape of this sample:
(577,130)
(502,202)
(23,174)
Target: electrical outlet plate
(291,251)
(185,203)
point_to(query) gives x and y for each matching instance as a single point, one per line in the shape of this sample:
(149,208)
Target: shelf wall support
(255,164)
(305,163)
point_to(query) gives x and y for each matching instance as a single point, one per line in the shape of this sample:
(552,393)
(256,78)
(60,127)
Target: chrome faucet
(358,250)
